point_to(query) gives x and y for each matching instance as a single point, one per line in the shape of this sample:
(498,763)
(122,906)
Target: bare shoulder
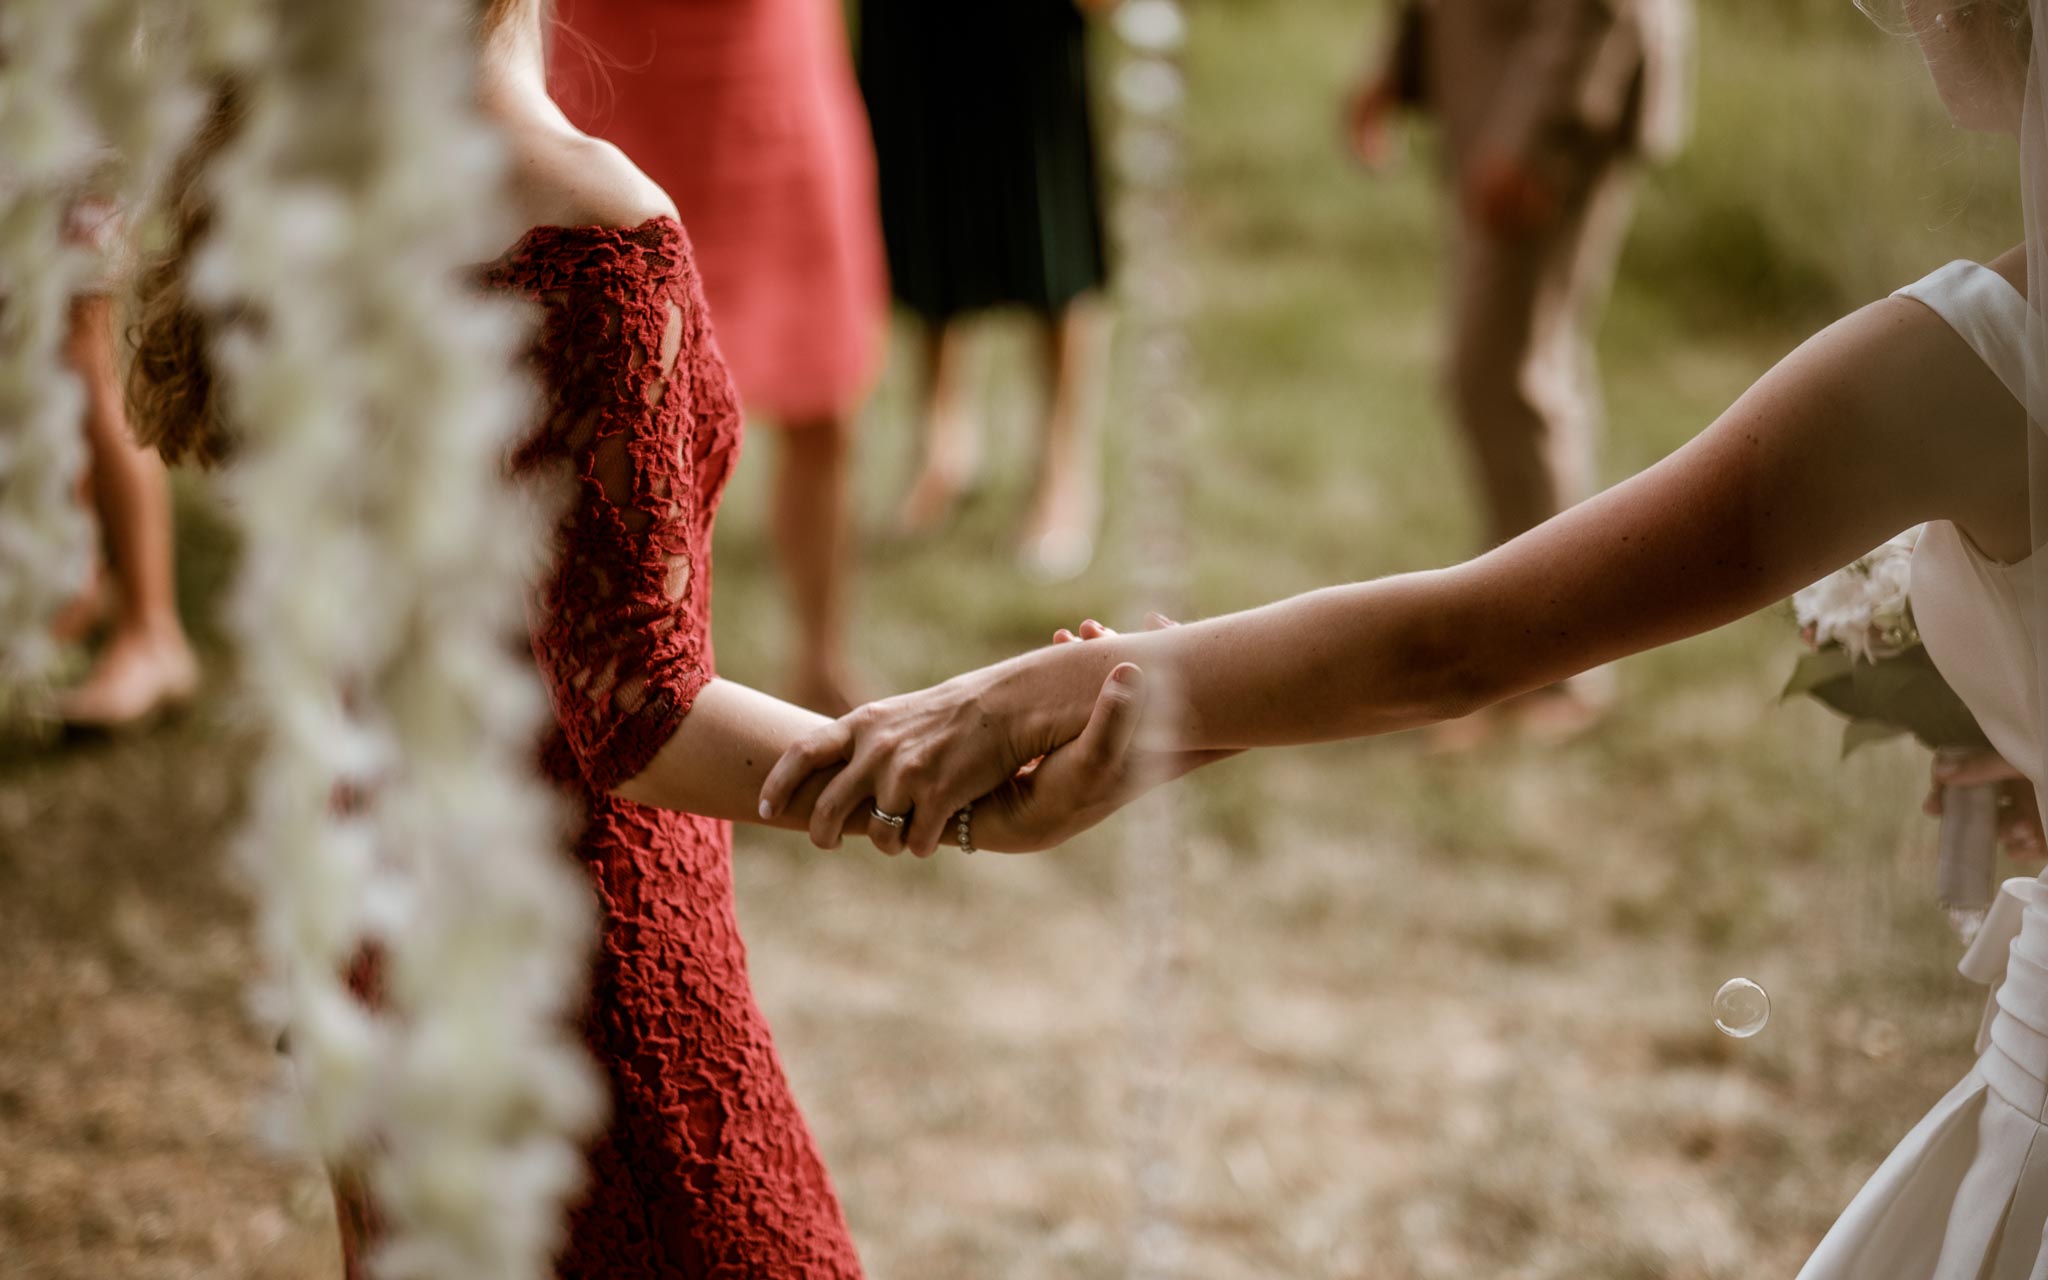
(1920,397)
(572,180)
(2012,264)
(1903,365)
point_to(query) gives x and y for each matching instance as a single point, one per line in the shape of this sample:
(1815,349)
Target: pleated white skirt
(1965,1195)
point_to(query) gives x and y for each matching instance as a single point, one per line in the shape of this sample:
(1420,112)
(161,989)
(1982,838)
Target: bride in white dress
(1914,410)
(1964,1196)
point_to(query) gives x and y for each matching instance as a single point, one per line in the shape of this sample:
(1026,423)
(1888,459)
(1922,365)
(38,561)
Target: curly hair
(174,400)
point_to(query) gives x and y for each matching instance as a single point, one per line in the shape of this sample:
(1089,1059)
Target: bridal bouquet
(1866,662)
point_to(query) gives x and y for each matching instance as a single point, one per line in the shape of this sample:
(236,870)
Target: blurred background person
(1545,108)
(144,664)
(990,198)
(746,112)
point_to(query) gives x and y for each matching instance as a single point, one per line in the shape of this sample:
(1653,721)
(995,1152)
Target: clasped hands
(1038,769)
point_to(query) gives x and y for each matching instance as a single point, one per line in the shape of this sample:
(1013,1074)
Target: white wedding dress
(1964,1196)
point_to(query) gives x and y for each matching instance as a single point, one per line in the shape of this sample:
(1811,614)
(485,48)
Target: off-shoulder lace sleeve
(620,626)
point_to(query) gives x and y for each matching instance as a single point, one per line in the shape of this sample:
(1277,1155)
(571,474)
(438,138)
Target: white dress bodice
(1974,613)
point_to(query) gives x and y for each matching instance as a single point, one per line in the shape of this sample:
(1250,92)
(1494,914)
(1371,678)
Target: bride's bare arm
(1884,420)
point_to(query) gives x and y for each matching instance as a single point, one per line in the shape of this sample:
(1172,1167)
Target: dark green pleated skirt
(984,150)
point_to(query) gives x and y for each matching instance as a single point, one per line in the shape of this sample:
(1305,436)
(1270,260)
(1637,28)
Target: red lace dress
(706,1168)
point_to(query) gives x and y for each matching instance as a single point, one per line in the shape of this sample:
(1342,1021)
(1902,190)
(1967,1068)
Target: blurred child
(145,664)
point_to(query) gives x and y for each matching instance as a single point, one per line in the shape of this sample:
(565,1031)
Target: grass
(1443,1017)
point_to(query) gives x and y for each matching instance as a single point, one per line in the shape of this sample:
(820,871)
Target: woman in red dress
(706,1167)
(746,112)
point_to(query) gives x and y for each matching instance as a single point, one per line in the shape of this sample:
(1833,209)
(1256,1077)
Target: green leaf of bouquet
(1905,692)
(1818,668)
(1858,734)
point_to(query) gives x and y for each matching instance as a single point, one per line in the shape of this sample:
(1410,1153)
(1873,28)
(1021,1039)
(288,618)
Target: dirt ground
(1407,1052)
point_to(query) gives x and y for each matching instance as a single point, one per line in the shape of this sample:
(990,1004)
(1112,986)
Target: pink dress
(747,113)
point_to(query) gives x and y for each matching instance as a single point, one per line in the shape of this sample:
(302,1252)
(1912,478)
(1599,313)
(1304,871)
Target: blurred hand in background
(1507,197)
(1369,123)
(2019,809)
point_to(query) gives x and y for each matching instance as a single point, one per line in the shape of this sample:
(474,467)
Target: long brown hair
(174,401)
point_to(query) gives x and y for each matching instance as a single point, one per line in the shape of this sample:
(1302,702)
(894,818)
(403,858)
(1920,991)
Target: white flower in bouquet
(1864,607)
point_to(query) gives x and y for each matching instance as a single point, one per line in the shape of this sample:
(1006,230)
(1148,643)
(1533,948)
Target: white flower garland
(92,92)
(385,563)
(45,541)
(379,615)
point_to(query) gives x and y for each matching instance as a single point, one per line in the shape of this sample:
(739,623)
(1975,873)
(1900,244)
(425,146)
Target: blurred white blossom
(96,97)
(380,620)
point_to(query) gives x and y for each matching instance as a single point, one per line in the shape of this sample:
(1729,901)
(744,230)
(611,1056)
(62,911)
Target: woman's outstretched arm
(1884,420)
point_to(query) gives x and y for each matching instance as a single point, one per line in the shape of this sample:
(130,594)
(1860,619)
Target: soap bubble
(1741,1008)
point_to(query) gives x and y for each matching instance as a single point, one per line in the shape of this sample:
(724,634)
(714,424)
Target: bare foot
(1563,712)
(930,504)
(1059,539)
(133,680)
(944,480)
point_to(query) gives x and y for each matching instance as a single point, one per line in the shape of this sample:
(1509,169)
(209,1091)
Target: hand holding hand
(1077,785)
(1049,763)
(1050,801)
(918,756)
(1369,123)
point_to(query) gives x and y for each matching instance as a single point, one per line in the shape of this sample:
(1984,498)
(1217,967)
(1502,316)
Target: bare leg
(76,621)
(147,661)
(952,436)
(812,479)
(1523,427)
(1059,537)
